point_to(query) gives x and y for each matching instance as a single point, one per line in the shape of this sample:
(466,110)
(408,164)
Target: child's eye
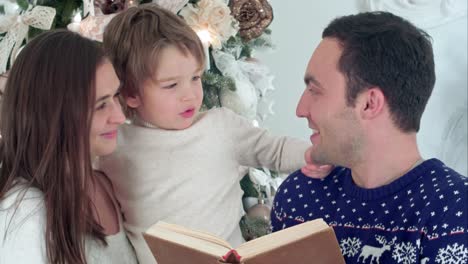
(117,94)
(172,85)
(196,78)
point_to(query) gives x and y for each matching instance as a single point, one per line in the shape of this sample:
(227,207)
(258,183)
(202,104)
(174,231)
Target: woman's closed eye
(103,103)
(196,78)
(101,106)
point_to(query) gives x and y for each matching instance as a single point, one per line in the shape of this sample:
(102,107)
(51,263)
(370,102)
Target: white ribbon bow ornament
(16,29)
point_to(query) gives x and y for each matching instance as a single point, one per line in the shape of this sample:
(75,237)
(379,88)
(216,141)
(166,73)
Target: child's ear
(372,103)
(133,101)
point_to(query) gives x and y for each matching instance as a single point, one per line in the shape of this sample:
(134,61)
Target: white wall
(297,28)
(296,31)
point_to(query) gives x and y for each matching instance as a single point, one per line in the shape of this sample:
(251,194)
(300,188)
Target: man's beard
(341,144)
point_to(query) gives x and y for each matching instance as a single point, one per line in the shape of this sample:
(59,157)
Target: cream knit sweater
(191,177)
(22,233)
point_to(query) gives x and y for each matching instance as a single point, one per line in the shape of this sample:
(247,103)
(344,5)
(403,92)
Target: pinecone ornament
(253,16)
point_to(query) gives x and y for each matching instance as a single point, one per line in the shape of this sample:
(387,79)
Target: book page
(195,233)
(282,237)
(157,233)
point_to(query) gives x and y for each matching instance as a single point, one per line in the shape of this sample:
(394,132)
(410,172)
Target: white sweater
(191,177)
(22,234)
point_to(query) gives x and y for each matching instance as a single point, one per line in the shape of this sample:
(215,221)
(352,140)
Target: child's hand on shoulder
(313,170)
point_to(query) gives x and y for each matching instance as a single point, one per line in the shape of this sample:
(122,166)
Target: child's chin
(185,126)
(179,126)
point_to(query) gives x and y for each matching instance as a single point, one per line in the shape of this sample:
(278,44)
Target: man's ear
(133,101)
(372,103)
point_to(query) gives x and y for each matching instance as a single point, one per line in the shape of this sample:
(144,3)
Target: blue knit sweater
(419,218)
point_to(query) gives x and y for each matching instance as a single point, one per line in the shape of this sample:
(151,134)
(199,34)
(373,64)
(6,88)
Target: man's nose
(302,109)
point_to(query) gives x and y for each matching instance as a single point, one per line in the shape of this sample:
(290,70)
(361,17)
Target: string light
(77,18)
(130,3)
(75,24)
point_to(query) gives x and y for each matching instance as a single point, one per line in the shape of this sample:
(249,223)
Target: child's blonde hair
(135,37)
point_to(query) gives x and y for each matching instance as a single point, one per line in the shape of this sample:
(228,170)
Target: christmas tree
(231,32)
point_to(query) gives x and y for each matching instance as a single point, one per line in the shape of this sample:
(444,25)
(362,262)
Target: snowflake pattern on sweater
(419,218)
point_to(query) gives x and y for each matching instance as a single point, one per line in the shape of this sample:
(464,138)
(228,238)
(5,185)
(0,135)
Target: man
(367,85)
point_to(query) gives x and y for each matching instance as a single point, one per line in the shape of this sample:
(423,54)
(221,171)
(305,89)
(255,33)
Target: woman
(60,111)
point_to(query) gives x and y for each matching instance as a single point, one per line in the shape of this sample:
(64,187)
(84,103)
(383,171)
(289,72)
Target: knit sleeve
(22,231)
(256,147)
(280,216)
(276,215)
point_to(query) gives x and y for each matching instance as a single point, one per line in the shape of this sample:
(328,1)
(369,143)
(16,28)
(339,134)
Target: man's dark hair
(384,50)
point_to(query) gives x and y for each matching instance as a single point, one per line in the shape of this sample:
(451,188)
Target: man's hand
(313,170)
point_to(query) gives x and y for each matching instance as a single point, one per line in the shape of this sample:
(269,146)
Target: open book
(309,242)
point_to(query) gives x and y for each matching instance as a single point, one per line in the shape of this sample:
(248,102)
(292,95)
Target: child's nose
(189,93)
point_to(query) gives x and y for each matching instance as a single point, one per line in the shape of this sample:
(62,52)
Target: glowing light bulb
(205,38)
(77,18)
(75,24)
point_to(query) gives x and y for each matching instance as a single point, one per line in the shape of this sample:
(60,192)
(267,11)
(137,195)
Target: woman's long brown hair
(46,116)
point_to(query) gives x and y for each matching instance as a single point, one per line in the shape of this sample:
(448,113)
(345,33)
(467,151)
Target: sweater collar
(138,121)
(384,191)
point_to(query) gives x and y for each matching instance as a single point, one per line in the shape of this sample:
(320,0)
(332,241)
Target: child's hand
(313,170)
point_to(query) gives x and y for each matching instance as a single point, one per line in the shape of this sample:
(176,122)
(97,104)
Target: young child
(173,163)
